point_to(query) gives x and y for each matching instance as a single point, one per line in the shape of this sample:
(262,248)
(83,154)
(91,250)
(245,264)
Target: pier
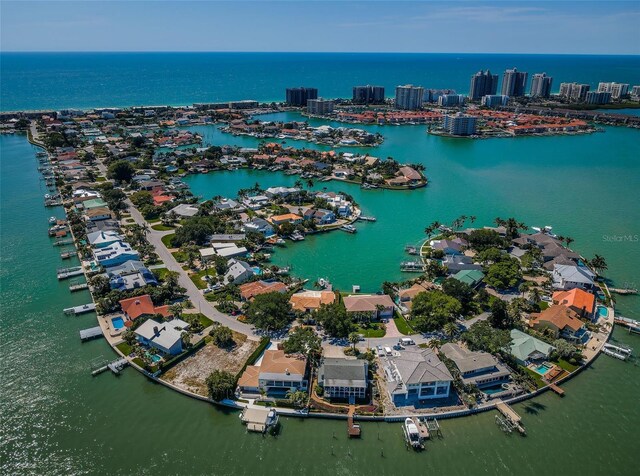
(258,419)
(90,334)
(433,428)
(617,351)
(623,290)
(78,287)
(365,218)
(353,429)
(64,273)
(80,309)
(100,364)
(68,254)
(68,241)
(631,324)
(412,267)
(511,421)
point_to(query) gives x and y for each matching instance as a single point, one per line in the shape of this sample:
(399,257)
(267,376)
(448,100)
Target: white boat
(280,241)
(297,236)
(348,228)
(412,434)
(52,220)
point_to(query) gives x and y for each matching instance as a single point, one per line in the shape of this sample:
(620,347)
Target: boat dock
(68,254)
(623,290)
(433,428)
(618,351)
(556,389)
(412,267)
(511,421)
(259,419)
(100,365)
(365,218)
(631,324)
(92,333)
(78,287)
(353,429)
(80,309)
(64,273)
(422,428)
(68,241)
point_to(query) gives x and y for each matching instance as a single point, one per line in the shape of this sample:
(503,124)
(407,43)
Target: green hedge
(264,342)
(164,366)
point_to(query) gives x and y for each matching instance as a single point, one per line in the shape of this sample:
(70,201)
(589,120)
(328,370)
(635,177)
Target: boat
(366,218)
(53,220)
(284,271)
(348,228)
(412,250)
(412,434)
(297,236)
(280,242)
(412,267)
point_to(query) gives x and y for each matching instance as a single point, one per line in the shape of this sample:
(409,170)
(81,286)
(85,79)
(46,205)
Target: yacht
(348,228)
(412,434)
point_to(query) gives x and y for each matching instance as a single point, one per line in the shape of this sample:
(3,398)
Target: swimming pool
(603,311)
(155,358)
(542,369)
(117,322)
(257,271)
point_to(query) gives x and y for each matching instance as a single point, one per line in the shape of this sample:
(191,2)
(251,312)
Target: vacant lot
(192,372)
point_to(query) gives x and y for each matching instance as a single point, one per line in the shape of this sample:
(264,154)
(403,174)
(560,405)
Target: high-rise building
(635,92)
(432,95)
(617,90)
(574,91)
(409,97)
(300,96)
(513,83)
(541,85)
(368,94)
(320,106)
(483,84)
(450,100)
(494,100)
(459,124)
(594,97)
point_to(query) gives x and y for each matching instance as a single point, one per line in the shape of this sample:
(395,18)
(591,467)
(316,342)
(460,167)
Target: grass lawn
(101,179)
(373,330)
(197,278)
(543,305)
(403,326)
(160,273)
(124,348)
(161,227)
(204,320)
(566,365)
(536,376)
(167,240)
(179,256)
(154,221)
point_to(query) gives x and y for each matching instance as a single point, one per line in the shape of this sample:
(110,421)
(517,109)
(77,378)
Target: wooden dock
(623,290)
(92,333)
(422,428)
(353,429)
(631,324)
(556,389)
(64,273)
(78,287)
(512,417)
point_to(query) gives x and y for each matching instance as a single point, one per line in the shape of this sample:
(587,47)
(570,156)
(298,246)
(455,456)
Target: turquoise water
(602,311)
(543,369)
(155,358)
(59,80)
(118,323)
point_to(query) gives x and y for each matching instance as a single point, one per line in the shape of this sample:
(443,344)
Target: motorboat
(412,434)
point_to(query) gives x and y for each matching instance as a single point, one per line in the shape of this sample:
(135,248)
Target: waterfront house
(526,348)
(164,336)
(250,290)
(449,247)
(184,210)
(455,263)
(344,377)
(259,225)
(415,375)
(101,239)
(378,305)
(103,225)
(97,214)
(226,250)
(406,176)
(115,254)
(256,202)
(276,374)
(562,322)
(476,368)
(569,277)
(308,301)
(320,216)
(225,237)
(136,276)
(238,272)
(227,204)
(581,302)
(94,203)
(472,277)
(286,218)
(273,192)
(142,306)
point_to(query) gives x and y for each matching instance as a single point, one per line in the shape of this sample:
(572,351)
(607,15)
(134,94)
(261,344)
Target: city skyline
(359,27)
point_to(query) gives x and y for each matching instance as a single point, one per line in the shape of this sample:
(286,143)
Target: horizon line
(309,52)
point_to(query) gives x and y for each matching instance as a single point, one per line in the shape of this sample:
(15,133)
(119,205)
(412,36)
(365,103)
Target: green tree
(270,311)
(481,336)
(481,239)
(121,171)
(499,316)
(297,398)
(335,320)
(459,290)
(564,349)
(599,264)
(450,329)
(220,384)
(222,336)
(303,340)
(532,258)
(512,226)
(354,338)
(141,198)
(433,309)
(503,274)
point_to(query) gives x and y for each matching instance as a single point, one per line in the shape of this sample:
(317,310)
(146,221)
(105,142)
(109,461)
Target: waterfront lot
(192,372)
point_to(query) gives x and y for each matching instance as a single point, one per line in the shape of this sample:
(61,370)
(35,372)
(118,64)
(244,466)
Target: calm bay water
(56,419)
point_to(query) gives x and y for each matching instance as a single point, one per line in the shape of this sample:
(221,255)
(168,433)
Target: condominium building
(483,84)
(300,96)
(459,124)
(594,97)
(494,100)
(451,100)
(432,95)
(368,94)
(574,91)
(635,92)
(409,97)
(541,85)
(617,90)
(320,106)
(514,83)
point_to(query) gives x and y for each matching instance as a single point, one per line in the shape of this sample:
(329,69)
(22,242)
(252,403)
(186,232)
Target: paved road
(193,293)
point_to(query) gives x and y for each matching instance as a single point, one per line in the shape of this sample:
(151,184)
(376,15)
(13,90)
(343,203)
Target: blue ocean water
(82,80)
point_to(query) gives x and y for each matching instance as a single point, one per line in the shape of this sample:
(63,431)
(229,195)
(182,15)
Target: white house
(164,336)
(115,254)
(570,277)
(101,239)
(238,271)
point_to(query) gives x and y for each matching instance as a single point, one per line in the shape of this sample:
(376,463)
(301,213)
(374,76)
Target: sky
(456,26)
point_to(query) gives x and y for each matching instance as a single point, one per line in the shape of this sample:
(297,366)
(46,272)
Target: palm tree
(599,264)
(568,240)
(434,344)
(450,329)
(354,338)
(298,184)
(431,228)
(176,310)
(310,183)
